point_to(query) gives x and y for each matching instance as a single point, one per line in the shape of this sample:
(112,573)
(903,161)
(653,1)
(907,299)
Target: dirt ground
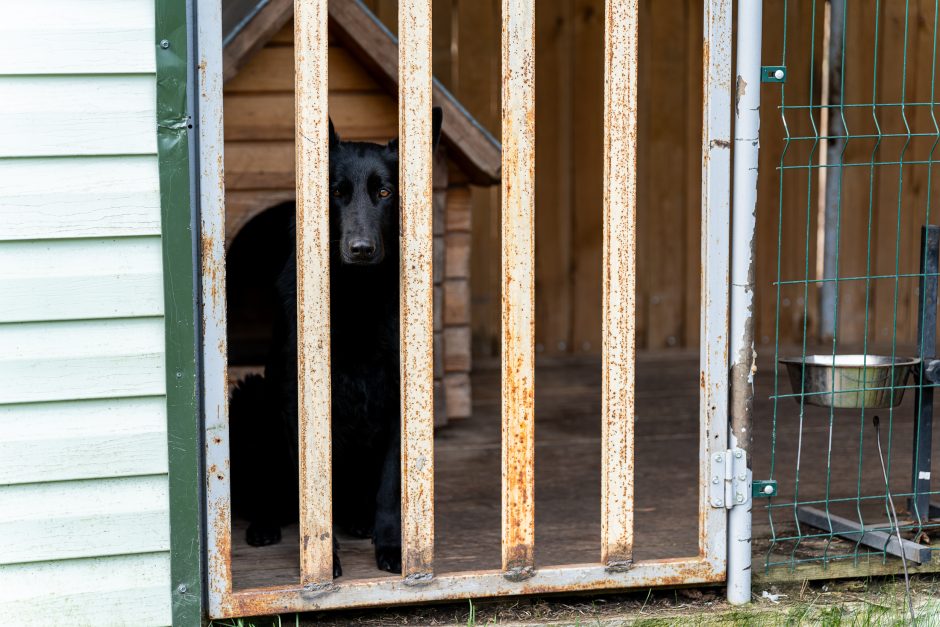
(829,603)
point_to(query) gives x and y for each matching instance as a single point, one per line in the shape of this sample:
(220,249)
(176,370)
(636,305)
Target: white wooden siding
(84,511)
(71,37)
(42,116)
(81,279)
(125,590)
(91,197)
(69,519)
(82,440)
(76,360)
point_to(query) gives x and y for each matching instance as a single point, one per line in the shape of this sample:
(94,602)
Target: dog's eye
(385,192)
(337,192)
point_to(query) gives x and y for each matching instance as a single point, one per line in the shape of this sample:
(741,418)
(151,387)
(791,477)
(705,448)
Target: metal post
(831,177)
(619,395)
(715,244)
(417,290)
(744,207)
(214,339)
(518,310)
(313,292)
(927,351)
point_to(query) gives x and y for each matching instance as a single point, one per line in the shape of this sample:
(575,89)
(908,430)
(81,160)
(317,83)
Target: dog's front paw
(388,558)
(263,534)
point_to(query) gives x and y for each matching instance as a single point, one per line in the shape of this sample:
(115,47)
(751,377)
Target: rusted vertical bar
(620,126)
(417,316)
(716,235)
(313,290)
(518,320)
(214,342)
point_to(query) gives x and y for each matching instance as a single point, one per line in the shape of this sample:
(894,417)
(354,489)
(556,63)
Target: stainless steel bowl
(849,381)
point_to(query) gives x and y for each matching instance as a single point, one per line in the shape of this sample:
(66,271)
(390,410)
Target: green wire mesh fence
(849,149)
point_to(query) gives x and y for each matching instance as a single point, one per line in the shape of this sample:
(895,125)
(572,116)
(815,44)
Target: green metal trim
(773,74)
(174,124)
(765,488)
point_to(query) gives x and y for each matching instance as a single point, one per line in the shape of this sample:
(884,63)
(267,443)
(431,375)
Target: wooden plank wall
(569,90)
(569,142)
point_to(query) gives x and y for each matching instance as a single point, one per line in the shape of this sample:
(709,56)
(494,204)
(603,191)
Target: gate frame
(709,566)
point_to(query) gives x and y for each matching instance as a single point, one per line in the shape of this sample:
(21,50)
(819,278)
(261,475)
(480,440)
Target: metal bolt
(165,43)
(768,489)
(742,477)
(718,458)
(182,589)
(779,75)
(719,503)
(740,497)
(179,374)
(738,454)
(715,480)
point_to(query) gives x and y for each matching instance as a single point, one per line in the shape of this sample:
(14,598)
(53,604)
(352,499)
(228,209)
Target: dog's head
(364,201)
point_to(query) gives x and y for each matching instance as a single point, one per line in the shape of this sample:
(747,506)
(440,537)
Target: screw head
(715,480)
(768,489)
(779,75)
(182,588)
(718,458)
(742,477)
(165,43)
(738,454)
(740,497)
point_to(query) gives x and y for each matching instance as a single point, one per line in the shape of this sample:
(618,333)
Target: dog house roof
(249,24)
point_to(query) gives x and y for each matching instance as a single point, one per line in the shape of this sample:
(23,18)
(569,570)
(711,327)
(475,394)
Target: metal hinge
(729,480)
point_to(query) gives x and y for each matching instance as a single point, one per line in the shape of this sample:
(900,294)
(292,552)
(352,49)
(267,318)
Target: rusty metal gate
(520,574)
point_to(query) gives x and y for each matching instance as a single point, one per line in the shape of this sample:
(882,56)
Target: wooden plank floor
(568,427)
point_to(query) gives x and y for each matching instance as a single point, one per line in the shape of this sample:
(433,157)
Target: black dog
(364,324)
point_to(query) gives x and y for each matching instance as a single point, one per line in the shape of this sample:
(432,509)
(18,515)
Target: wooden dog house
(363,64)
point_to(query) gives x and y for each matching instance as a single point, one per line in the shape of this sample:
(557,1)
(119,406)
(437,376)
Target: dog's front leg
(387,535)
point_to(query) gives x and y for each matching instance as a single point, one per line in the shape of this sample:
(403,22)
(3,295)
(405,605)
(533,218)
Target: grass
(873,602)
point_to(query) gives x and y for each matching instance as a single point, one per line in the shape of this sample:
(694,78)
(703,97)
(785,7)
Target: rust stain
(470,584)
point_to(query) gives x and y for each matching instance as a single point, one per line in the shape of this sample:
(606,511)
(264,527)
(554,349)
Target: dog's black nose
(361,249)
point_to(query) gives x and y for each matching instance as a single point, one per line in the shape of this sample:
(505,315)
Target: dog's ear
(334,138)
(437,119)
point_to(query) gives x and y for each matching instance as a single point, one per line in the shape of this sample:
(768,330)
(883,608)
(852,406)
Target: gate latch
(729,483)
